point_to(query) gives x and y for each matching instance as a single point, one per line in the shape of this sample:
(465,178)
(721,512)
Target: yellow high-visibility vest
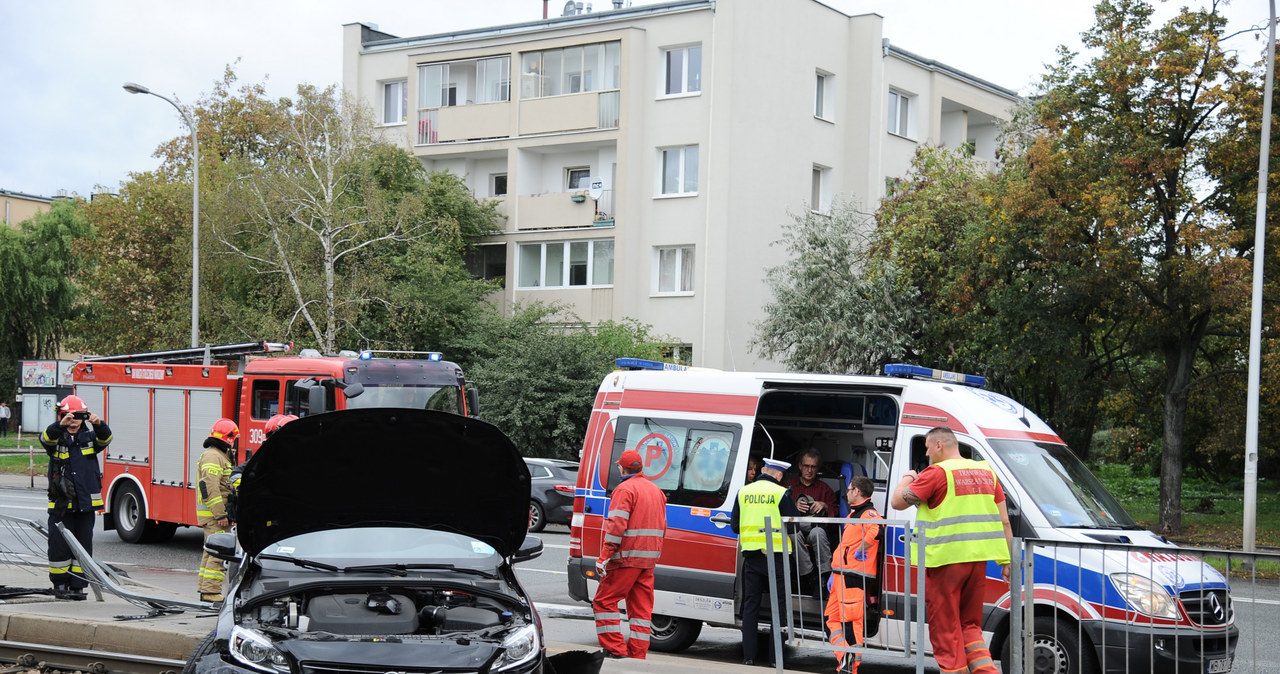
(756,501)
(966,526)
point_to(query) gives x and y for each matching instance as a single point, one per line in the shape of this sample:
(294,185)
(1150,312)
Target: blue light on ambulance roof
(642,364)
(434,355)
(366,355)
(906,370)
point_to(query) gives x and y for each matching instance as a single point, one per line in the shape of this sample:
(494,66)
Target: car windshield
(372,546)
(1058,482)
(440,398)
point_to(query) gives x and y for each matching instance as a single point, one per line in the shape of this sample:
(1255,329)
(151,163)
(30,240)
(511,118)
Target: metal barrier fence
(1082,607)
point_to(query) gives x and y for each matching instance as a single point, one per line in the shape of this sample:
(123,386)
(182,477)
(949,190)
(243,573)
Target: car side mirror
(353,390)
(531,548)
(223,546)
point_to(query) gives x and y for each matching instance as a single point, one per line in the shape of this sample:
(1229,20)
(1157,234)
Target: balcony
(464,122)
(572,112)
(554,210)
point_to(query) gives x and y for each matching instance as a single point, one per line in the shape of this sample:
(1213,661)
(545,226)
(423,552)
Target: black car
(551,496)
(378,540)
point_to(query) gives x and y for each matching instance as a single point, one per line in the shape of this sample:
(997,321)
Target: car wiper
(402,569)
(298,561)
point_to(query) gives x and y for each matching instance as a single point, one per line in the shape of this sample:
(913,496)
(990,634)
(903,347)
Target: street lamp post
(195,209)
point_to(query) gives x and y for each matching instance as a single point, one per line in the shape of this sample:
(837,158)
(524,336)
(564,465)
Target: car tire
(207,646)
(1056,649)
(672,635)
(537,517)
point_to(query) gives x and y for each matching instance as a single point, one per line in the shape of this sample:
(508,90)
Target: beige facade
(16,207)
(705,124)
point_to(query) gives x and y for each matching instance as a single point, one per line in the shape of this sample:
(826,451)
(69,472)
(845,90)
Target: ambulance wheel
(537,517)
(207,646)
(672,635)
(1057,649)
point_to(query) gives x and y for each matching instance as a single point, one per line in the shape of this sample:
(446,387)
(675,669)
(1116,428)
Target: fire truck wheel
(672,635)
(130,513)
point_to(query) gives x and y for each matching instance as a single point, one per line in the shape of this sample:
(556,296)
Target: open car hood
(385,467)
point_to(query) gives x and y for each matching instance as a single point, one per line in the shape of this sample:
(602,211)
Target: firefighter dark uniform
(633,535)
(853,573)
(211,502)
(75,492)
(765,497)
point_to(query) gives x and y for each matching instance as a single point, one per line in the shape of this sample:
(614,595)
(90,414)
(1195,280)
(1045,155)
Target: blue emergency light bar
(921,372)
(642,364)
(431,355)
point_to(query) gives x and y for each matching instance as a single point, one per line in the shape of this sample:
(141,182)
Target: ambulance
(1109,596)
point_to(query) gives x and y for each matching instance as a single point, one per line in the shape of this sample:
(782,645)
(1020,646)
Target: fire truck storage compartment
(206,408)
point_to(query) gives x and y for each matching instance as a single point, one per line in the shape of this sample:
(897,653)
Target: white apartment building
(705,125)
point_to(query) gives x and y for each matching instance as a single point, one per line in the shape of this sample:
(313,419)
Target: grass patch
(1212,514)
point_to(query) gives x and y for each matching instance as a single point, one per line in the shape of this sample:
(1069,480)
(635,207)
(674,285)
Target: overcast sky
(66,124)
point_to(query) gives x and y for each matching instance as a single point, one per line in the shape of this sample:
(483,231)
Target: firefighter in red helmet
(276,421)
(211,501)
(73,443)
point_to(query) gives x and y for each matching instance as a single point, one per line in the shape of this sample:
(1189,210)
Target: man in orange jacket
(632,543)
(853,568)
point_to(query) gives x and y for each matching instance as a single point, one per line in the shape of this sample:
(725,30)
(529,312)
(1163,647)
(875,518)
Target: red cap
(631,460)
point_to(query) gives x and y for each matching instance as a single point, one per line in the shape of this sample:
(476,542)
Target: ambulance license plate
(1219,666)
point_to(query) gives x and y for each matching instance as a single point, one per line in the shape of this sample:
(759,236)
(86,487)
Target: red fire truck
(161,405)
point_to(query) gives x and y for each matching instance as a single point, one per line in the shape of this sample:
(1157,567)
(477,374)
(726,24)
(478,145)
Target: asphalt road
(568,622)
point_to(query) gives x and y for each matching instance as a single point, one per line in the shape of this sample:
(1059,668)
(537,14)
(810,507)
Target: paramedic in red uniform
(852,567)
(963,516)
(632,543)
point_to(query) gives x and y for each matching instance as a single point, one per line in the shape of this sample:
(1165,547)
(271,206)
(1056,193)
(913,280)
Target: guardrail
(1089,607)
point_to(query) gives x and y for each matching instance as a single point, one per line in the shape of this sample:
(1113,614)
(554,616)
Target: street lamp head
(134,88)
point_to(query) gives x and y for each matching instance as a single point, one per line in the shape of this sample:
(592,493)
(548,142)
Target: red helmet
(225,430)
(72,404)
(275,422)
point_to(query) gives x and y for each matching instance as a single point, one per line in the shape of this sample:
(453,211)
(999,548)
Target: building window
(822,96)
(679,170)
(901,113)
(820,190)
(571,70)
(489,262)
(442,85)
(577,178)
(497,184)
(395,102)
(566,264)
(683,67)
(673,270)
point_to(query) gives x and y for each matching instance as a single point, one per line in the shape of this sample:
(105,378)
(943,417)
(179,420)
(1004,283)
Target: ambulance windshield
(1064,490)
(441,398)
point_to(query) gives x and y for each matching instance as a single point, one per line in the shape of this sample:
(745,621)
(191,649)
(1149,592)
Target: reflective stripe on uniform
(640,553)
(645,532)
(624,514)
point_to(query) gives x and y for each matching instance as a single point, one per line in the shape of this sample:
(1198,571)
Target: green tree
(1127,133)
(830,312)
(40,305)
(538,378)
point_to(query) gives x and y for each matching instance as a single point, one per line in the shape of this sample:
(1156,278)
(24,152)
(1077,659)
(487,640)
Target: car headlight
(256,651)
(520,647)
(1145,595)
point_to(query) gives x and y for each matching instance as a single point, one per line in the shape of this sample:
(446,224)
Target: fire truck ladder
(207,353)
